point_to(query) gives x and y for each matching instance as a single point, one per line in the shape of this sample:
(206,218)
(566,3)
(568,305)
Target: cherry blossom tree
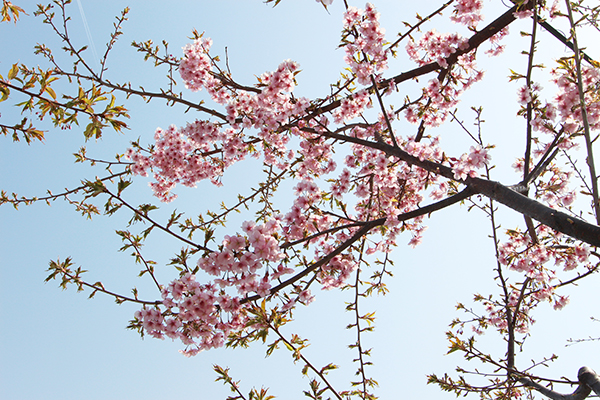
(366,170)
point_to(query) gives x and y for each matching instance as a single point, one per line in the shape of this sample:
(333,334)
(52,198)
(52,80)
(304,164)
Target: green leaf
(93,129)
(51,92)
(5,92)
(122,185)
(12,74)
(90,130)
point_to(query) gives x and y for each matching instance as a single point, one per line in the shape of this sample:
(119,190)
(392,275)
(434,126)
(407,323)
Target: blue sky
(56,344)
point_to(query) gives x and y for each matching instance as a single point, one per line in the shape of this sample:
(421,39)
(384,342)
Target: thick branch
(590,378)
(588,381)
(559,221)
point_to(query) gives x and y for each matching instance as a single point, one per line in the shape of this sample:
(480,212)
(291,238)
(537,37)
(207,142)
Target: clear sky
(58,345)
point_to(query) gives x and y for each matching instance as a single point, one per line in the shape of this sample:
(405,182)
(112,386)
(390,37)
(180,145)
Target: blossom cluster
(566,107)
(544,118)
(314,151)
(433,109)
(301,220)
(366,54)
(202,315)
(496,313)
(435,47)
(525,93)
(533,260)
(554,187)
(202,149)
(468,164)
(467,12)
(568,102)
(197,314)
(439,98)
(497,48)
(196,66)
(387,187)
(352,106)
(186,156)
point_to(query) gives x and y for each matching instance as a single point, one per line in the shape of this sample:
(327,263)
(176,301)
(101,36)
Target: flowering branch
(584,117)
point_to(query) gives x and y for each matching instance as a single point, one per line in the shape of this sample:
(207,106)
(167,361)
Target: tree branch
(588,381)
